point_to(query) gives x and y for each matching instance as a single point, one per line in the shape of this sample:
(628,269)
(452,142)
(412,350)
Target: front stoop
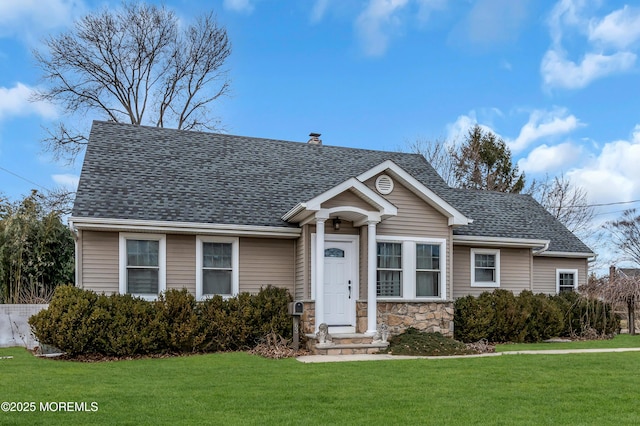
(345,344)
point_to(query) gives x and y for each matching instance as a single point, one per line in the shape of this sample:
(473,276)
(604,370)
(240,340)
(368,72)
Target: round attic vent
(384,184)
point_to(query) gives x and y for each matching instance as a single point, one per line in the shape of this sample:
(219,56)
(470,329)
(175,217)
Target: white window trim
(409,266)
(235,264)
(474,283)
(162,261)
(403,270)
(566,271)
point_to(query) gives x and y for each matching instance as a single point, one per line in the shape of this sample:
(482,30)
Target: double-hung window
(411,268)
(142,264)
(485,268)
(389,270)
(216,266)
(427,270)
(566,280)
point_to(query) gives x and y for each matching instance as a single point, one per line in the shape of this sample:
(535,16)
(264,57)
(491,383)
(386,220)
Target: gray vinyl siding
(544,272)
(415,217)
(347,198)
(301,268)
(100,267)
(515,271)
(181,262)
(266,262)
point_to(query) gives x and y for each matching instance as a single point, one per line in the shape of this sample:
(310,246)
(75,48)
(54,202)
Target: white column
(319,272)
(371,278)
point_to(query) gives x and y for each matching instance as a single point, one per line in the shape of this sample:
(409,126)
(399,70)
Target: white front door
(340,285)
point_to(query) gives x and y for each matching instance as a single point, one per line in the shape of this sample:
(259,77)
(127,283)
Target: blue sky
(557,80)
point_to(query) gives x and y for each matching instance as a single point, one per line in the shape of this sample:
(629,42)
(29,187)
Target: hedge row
(82,322)
(500,316)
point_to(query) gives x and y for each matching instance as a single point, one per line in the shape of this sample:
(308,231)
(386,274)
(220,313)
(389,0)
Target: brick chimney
(314,139)
(612,273)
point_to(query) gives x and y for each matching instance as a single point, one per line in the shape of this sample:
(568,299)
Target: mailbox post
(295,310)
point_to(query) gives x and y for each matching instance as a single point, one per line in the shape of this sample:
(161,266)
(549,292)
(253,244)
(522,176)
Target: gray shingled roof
(496,214)
(149,173)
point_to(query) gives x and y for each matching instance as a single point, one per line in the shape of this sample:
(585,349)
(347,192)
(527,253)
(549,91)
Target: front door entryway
(340,285)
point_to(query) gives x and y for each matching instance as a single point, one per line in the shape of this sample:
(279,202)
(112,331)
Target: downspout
(543,249)
(76,244)
(535,253)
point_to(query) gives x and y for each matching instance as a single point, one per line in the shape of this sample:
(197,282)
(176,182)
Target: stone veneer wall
(425,316)
(398,316)
(308,318)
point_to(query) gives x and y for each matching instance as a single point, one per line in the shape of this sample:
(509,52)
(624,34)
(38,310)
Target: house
(361,237)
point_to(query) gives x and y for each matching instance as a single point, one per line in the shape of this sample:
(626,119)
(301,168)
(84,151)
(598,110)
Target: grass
(619,341)
(237,388)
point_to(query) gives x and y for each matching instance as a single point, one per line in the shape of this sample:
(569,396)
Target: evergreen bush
(82,322)
(500,316)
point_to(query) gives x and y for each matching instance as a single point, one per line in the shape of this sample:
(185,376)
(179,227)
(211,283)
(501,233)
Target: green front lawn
(619,341)
(237,388)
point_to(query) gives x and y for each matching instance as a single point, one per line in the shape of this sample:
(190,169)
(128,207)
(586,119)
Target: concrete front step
(345,344)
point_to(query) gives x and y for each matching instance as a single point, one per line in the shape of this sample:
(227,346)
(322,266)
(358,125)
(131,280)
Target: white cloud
(544,124)
(619,29)
(458,130)
(376,22)
(66,180)
(549,159)
(15,102)
(565,14)
(608,44)
(558,71)
(614,174)
(29,18)
(243,6)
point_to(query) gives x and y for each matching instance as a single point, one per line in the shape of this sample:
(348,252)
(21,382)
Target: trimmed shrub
(82,322)
(499,317)
(544,317)
(473,317)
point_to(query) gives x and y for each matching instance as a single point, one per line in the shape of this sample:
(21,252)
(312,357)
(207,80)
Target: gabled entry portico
(335,281)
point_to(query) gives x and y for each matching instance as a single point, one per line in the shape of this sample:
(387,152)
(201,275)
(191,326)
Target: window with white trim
(389,270)
(217,266)
(566,280)
(427,270)
(142,259)
(411,268)
(485,268)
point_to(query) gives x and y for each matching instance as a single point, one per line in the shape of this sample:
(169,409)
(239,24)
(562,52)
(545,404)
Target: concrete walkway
(307,359)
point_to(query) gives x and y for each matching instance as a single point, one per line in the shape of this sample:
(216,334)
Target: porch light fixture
(336,223)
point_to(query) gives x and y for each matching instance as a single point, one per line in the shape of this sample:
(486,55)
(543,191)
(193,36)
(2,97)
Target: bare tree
(625,289)
(138,65)
(439,154)
(566,202)
(625,234)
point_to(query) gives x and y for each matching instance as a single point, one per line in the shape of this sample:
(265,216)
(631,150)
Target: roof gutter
(542,250)
(294,211)
(575,255)
(100,224)
(472,240)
